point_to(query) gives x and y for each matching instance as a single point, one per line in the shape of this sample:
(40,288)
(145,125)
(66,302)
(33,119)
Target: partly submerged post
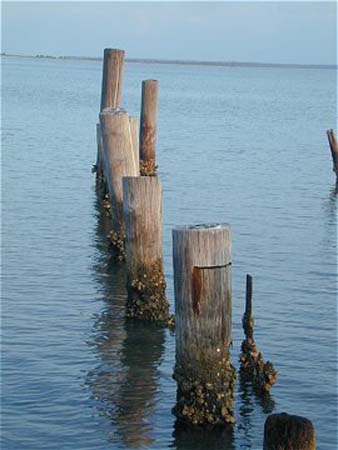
(285,432)
(112,78)
(203,320)
(253,367)
(119,161)
(334,152)
(134,131)
(148,127)
(142,206)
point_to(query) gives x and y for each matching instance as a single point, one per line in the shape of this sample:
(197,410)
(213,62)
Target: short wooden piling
(286,432)
(112,78)
(334,151)
(203,307)
(142,206)
(253,367)
(148,127)
(119,161)
(134,131)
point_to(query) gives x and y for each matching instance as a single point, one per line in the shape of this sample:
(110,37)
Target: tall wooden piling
(112,78)
(334,151)
(148,127)
(142,206)
(119,161)
(111,97)
(134,131)
(203,307)
(285,432)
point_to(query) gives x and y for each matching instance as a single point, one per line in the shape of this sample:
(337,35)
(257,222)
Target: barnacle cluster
(117,240)
(148,168)
(146,296)
(253,366)
(205,395)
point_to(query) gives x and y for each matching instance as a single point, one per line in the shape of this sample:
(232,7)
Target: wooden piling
(253,367)
(148,127)
(142,206)
(112,78)
(286,432)
(334,151)
(99,159)
(203,317)
(119,161)
(134,131)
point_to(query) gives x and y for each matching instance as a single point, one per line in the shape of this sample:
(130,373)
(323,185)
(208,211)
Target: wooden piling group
(133,202)
(131,194)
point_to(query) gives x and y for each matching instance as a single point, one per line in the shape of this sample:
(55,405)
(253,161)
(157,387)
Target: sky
(271,32)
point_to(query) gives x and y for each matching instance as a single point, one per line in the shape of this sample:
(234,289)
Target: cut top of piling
(208,245)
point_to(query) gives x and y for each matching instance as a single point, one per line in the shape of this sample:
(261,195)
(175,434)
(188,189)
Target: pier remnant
(262,374)
(142,206)
(112,78)
(288,432)
(203,316)
(334,151)
(148,127)
(119,161)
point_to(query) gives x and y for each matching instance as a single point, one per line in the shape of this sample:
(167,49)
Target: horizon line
(181,62)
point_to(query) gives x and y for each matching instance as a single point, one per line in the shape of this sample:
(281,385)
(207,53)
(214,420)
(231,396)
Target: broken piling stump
(203,316)
(142,206)
(148,127)
(288,432)
(334,152)
(119,161)
(262,374)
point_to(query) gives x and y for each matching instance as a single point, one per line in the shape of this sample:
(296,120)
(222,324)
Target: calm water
(238,145)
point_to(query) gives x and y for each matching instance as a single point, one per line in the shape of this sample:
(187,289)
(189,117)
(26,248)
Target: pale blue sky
(280,32)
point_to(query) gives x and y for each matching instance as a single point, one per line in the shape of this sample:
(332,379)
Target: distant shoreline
(181,62)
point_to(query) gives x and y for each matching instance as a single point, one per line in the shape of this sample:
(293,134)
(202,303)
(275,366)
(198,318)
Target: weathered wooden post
(253,367)
(134,131)
(142,206)
(119,161)
(148,127)
(112,78)
(334,152)
(286,432)
(99,158)
(203,307)
(111,96)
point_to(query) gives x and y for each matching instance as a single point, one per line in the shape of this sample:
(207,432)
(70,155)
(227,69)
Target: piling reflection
(202,438)
(249,398)
(124,383)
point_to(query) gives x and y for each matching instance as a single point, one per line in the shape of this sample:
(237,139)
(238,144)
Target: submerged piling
(119,161)
(142,206)
(285,432)
(148,127)
(253,367)
(203,315)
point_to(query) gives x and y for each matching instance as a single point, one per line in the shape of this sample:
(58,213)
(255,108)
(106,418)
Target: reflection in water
(124,384)
(203,438)
(249,398)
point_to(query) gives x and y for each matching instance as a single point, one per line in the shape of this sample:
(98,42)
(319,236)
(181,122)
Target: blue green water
(240,145)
